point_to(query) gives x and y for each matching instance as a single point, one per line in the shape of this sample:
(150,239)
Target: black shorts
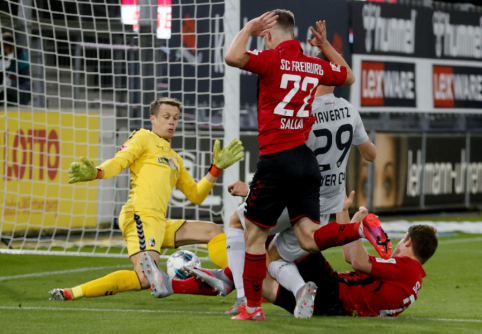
(290,179)
(327,300)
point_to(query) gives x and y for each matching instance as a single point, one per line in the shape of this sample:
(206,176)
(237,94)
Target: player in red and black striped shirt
(287,173)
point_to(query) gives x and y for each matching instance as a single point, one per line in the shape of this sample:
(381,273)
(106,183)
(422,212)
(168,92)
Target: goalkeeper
(155,170)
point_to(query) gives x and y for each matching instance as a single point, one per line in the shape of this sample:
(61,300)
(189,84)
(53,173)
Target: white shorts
(287,244)
(283,220)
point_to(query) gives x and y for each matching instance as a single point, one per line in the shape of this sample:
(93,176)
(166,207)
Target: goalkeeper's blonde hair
(156,104)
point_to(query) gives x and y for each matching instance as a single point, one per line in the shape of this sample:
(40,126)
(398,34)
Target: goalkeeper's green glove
(225,157)
(82,171)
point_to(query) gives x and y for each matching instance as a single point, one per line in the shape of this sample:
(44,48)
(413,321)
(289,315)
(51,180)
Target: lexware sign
(388,84)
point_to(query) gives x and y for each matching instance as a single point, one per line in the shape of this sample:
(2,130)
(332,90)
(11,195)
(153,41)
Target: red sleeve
(260,62)
(387,270)
(333,75)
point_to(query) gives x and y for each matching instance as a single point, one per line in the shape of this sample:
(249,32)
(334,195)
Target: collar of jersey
(164,141)
(290,44)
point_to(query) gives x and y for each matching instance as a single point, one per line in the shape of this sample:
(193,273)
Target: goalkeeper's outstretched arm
(85,170)
(222,159)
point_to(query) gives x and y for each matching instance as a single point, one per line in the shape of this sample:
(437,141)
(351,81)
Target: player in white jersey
(338,126)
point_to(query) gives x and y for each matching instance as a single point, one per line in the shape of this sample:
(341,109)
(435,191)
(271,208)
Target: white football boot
(305,301)
(160,283)
(215,278)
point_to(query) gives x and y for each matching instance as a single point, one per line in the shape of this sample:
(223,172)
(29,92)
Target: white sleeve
(360,136)
(311,141)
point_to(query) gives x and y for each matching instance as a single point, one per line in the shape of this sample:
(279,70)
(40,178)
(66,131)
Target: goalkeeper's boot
(238,307)
(257,315)
(160,283)
(215,278)
(378,238)
(305,301)
(61,294)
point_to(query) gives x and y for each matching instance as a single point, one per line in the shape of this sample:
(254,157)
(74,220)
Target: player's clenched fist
(223,158)
(82,171)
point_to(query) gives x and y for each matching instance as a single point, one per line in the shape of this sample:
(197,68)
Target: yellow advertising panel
(36,150)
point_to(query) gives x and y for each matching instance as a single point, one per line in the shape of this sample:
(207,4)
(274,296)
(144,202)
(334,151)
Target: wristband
(99,173)
(214,170)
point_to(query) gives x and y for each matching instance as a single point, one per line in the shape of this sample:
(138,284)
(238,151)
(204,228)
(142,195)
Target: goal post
(84,77)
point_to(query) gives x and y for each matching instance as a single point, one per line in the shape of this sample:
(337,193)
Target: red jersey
(287,86)
(391,287)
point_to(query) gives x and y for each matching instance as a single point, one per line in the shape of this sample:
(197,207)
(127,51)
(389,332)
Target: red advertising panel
(443,90)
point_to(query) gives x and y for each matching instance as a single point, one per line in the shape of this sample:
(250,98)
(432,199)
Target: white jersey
(338,126)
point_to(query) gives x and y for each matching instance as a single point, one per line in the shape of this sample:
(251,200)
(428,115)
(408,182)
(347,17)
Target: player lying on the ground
(376,287)
(287,173)
(155,170)
(221,281)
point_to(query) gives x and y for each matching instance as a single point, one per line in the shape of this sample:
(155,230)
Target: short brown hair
(156,104)
(321,55)
(286,20)
(424,241)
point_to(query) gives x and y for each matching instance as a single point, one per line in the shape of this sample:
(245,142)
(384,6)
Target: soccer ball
(179,259)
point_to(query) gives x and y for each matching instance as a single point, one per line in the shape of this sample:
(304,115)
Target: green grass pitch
(450,300)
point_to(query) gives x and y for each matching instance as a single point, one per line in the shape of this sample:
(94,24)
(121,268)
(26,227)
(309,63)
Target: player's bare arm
(322,43)
(238,188)
(236,55)
(368,151)
(354,252)
(343,217)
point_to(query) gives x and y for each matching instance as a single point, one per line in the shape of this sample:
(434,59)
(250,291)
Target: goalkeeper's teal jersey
(155,170)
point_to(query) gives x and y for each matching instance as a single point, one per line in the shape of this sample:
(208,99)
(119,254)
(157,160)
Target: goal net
(78,81)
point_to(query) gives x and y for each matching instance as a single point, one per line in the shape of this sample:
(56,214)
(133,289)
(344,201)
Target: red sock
(253,276)
(228,273)
(192,287)
(335,234)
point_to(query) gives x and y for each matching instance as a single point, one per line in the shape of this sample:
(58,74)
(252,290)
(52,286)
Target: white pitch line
(59,272)
(195,312)
(459,240)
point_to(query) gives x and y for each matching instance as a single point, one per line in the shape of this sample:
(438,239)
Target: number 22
(280,108)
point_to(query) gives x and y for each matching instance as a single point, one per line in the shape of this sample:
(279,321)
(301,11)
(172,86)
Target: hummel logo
(253,194)
(256,287)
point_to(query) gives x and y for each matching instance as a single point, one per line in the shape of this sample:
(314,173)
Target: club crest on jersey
(123,148)
(291,124)
(335,67)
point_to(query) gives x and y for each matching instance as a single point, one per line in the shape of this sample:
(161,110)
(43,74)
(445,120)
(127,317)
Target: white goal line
(60,272)
(198,312)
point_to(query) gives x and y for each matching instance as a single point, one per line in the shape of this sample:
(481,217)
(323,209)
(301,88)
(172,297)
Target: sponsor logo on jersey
(152,242)
(388,84)
(291,124)
(169,162)
(123,148)
(380,260)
